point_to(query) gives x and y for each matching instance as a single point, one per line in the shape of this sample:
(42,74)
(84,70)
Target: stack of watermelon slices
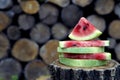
(82,50)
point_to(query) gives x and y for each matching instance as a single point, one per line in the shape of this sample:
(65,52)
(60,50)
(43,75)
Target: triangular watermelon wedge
(84,30)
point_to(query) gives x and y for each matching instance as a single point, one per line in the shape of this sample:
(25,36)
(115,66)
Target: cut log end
(111,71)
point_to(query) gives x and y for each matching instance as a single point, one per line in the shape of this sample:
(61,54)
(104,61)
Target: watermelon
(81,50)
(84,30)
(82,62)
(92,43)
(97,56)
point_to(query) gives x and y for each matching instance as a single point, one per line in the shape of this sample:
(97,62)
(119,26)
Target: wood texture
(71,14)
(48,14)
(25,50)
(104,7)
(48,51)
(5,4)
(4,21)
(98,21)
(13,32)
(4,45)
(82,3)
(61,3)
(40,33)
(35,69)
(30,6)
(44,78)
(113,43)
(26,21)
(117,9)
(117,51)
(10,69)
(110,71)
(114,29)
(59,31)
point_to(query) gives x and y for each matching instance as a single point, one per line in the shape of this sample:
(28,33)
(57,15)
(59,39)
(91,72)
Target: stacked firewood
(30,31)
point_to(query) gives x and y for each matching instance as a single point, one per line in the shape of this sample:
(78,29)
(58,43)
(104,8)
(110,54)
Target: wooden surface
(107,72)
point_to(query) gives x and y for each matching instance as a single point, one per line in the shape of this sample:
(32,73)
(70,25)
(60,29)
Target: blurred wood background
(30,31)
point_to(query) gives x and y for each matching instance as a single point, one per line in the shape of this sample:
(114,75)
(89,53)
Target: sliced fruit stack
(82,50)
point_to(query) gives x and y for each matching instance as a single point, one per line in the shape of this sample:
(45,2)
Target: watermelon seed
(84,28)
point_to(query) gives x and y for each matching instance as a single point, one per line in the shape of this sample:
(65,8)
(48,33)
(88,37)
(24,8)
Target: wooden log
(10,69)
(98,21)
(13,32)
(10,13)
(61,3)
(112,43)
(25,50)
(111,71)
(82,3)
(48,14)
(30,6)
(26,21)
(104,7)
(4,20)
(16,9)
(71,14)
(5,4)
(59,31)
(40,33)
(4,45)
(114,29)
(117,51)
(48,51)
(35,69)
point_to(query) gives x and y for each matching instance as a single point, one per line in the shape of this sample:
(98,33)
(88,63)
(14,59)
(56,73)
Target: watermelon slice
(81,50)
(92,43)
(98,56)
(82,62)
(84,30)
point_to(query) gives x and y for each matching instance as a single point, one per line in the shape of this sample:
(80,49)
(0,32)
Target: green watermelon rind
(82,62)
(79,50)
(62,43)
(107,56)
(94,35)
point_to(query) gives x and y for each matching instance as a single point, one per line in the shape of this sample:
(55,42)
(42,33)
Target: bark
(111,71)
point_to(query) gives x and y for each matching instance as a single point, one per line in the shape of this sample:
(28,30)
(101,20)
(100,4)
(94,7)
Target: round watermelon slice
(97,56)
(84,30)
(92,43)
(82,62)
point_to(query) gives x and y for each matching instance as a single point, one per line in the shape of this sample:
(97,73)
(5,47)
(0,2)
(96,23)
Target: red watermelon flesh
(97,56)
(92,43)
(84,30)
